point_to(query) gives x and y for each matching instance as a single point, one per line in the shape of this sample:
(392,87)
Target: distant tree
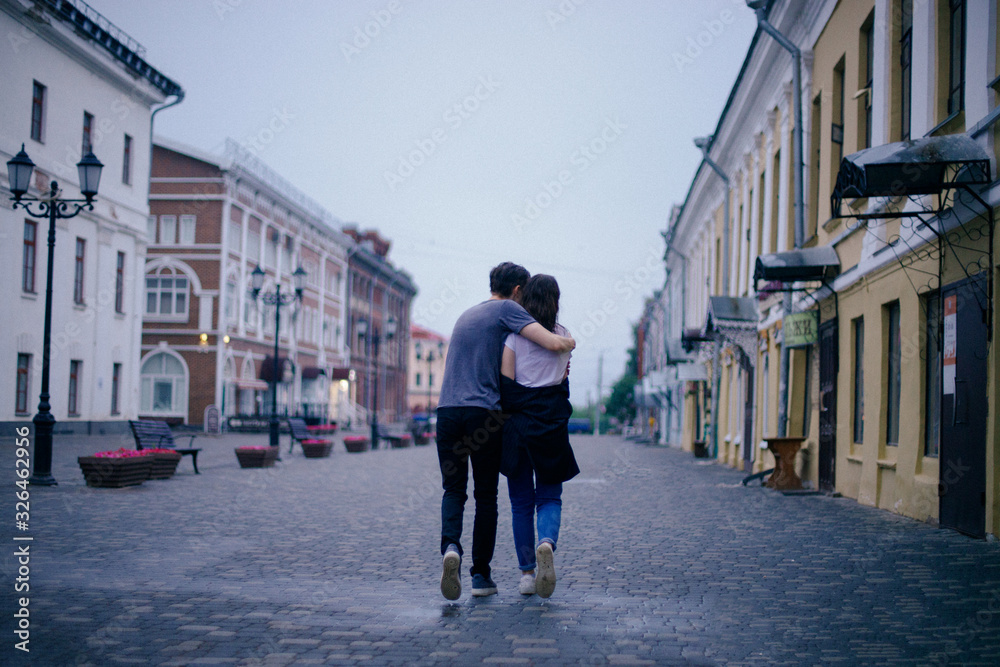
(621,403)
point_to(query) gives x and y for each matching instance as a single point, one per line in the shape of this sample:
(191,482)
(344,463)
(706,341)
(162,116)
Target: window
(168,229)
(167,293)
(868,72)
(232,302)
(38,112)
(859,380)
(187,229)
(816,149)
(88,131)
(905,69)
(932,376)
(116,383)
(271,249)
(253,246)
(151,229)
(23,374)
(430,379)
(120,283)
(81,248)
(893,359)
(837,128)
(286,259)
(235,236)
(163,385)
(28,263)
(418,380)
(956,56)
(75,367)
(127,161)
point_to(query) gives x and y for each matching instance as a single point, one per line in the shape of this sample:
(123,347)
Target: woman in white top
(537,457)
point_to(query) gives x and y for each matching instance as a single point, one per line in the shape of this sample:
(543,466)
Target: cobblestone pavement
(663,559)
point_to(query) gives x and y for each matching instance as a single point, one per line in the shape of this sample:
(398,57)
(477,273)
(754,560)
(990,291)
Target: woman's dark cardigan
(536,427)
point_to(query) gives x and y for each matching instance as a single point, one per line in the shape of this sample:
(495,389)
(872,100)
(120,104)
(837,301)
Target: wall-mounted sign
(950,345)
(800,329)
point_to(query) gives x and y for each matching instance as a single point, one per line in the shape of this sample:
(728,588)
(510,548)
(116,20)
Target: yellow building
(891,372)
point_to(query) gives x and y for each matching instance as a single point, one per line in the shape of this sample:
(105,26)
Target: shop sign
(800,329)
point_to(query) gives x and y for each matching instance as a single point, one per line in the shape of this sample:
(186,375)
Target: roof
(418,332)
(919,167)
(820,263)
(731,310)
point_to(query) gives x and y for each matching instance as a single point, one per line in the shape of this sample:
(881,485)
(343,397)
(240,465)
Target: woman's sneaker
(527,585)
(545,582)
(483,586)
(451,583)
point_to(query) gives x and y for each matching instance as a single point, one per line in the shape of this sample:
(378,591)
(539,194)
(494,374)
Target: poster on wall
(800,329)
(950,356)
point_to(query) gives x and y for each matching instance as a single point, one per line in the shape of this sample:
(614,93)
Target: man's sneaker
(527,585)
(451,583)
(483,586)
(545,582)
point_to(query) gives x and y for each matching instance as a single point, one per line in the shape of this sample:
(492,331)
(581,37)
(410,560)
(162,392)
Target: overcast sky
(556,134)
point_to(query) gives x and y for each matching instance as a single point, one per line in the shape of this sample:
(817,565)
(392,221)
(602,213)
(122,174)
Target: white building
(71,78)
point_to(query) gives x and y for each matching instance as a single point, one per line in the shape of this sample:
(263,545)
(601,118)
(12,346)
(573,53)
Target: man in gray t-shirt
(469,423)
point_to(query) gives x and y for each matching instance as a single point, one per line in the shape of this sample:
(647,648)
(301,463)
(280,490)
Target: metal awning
(678,352)
(312,372)
(923,166)
(287,371)
(805,264)
(692,373)
(730,312)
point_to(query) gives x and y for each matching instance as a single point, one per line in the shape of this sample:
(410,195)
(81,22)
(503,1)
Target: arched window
(164,385)
(232,302)
(167,293)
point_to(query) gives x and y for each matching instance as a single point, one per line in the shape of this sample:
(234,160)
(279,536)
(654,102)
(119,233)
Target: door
(963,408)
(748,408)
(827,404)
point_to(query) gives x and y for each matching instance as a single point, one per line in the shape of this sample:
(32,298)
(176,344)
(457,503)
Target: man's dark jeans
(465,434)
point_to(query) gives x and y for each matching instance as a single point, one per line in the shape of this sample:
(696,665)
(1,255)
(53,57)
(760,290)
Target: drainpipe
(705,143)
(761,7)
(152,117)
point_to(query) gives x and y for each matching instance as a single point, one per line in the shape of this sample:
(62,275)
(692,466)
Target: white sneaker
(527,585)
(545,582)
(451,583)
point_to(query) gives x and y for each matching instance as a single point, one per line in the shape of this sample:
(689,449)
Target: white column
(742,242)
(884,66)
(768,194)
(924,66)
(978,57)
(241,289)
(222,302)
(784,169)
(734,234)
(754,212)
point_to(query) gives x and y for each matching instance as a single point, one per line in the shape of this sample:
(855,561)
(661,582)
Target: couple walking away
(504,407)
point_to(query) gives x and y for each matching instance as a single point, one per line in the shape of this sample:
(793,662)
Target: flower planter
(113,473)
(356,443)
(164,463)
(423,439)
(317,449)
(256,457)
(400,441)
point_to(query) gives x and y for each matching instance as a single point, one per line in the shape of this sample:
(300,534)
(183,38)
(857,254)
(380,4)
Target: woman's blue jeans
(528,496)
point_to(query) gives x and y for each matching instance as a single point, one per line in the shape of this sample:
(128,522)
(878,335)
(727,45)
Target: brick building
(205,341)
(378,292)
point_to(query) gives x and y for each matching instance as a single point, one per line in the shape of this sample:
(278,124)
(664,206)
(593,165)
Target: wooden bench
(301,434)
(155,434)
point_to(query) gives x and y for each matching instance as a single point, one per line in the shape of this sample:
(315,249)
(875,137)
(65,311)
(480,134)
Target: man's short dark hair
(505,277)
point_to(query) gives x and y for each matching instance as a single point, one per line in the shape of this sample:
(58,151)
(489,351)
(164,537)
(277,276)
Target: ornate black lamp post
(49,206)
(276,299)
(390,331)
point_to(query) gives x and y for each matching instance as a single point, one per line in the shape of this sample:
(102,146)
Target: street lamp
(276,299)
(375,338)
(19,170)
(430,360)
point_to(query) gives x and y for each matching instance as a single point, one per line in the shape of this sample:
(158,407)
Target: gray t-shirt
(472,369)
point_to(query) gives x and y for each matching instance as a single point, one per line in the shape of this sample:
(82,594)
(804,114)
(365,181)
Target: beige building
(428,351)
(891,374)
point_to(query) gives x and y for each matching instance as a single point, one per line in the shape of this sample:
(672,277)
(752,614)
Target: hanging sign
(950,356)
(800,329)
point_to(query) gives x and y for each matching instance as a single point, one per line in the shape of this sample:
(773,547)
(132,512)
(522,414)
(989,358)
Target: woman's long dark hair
(540,297)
